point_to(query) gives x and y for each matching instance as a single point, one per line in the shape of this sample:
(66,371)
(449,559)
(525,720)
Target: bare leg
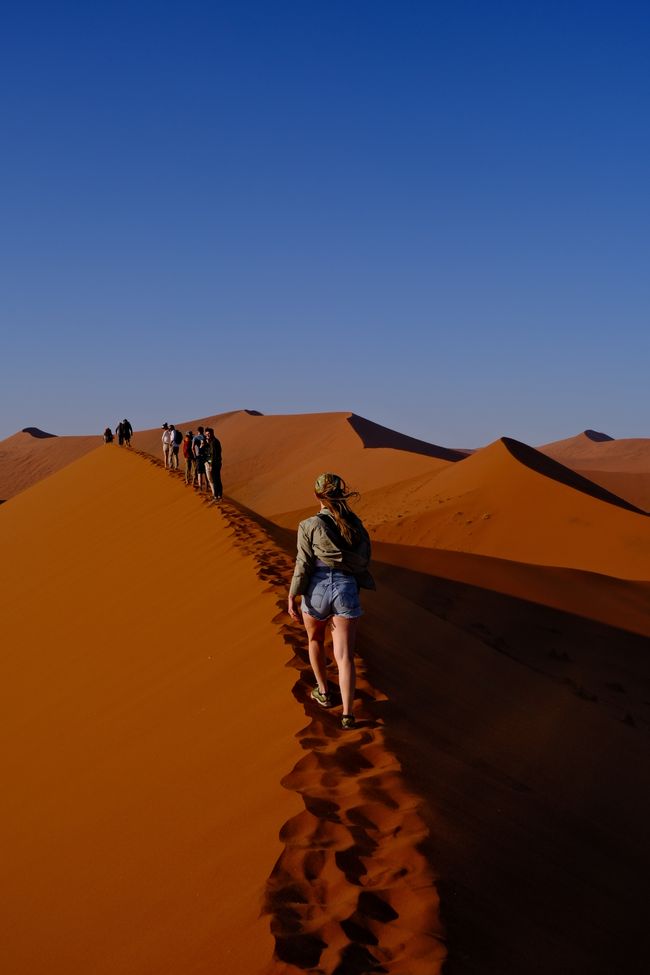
(343,636)
(317,659)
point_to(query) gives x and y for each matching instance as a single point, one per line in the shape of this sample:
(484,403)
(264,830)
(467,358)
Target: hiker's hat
(329,485)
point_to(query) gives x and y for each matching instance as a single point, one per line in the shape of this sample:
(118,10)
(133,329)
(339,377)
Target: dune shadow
(547,467)
(37,434)
(597,437)
(373,436)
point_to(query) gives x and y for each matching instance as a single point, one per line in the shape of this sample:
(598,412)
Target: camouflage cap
(329,484)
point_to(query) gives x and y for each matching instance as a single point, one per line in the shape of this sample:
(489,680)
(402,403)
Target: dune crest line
(352,893)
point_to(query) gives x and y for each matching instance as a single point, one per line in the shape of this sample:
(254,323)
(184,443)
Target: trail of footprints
(351,893)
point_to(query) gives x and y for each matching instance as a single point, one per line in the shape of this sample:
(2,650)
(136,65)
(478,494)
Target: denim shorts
(331,593)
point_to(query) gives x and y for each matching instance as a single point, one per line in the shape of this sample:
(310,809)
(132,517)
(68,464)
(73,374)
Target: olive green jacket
(315,542)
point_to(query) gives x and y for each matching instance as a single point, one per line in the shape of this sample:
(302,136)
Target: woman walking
(331,567)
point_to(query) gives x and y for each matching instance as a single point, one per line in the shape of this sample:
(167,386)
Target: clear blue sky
(436,215)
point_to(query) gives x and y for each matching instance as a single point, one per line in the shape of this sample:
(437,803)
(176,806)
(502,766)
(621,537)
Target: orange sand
(149,721)
(495,504)
(156,797)
(26,459)
(631,456)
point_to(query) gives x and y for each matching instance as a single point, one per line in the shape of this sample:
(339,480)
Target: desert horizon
(172,792)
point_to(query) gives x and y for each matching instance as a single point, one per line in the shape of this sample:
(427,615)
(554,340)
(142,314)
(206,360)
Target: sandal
(348,721)
(321,698)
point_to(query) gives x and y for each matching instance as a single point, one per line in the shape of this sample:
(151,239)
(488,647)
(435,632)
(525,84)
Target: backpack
(178,438)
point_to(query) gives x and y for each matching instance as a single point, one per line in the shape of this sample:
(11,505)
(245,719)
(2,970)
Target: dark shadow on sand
(373,435)
(547,467)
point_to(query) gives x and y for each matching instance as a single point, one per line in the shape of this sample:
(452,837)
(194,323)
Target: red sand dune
(155,760)
(620,466)
(588,451)
(161,788)
(31,455)
(510,502)
(271,462)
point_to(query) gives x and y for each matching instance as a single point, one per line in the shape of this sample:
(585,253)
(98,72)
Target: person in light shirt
(166,444)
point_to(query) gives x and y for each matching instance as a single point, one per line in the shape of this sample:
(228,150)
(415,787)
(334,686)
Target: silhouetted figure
(198,449)
(176,441)
(108,435)
(119,430)
(127,432)
(189,457)
(213,464)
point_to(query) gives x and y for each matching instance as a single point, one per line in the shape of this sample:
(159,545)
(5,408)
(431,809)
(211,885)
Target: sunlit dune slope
(511,502)
(145,730)
(271,462)
(590,451)
(29,456)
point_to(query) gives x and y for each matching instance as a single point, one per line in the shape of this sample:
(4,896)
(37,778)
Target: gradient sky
(435,215)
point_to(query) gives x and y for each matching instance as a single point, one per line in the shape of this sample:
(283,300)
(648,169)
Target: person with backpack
(127,431)
(166,444)
(331,567)
(189,457)
(174,446)
(213,464)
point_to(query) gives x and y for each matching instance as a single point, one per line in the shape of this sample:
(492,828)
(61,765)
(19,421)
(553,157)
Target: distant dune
(589,452)
(271,462)
(500,502)
(29,456)
(174,802)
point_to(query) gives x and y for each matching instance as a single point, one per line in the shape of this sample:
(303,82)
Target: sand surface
(26,459)
(174,803)
(587,452)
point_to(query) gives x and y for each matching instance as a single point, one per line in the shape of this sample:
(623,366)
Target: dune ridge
(514,504)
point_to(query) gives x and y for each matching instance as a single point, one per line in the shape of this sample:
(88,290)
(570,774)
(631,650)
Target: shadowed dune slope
(588,453)
(29,456)
(495,503)
(146,730)
(615,602)
(538,797)
(633,487)
(525,728)
(374,435)
(271,462)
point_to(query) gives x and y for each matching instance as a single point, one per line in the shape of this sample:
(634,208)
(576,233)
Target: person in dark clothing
(127,432)
(119,430)
(213,464)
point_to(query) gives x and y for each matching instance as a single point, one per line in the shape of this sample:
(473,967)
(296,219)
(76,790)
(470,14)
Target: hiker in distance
(331,567)
(212,449)
(166,444)
(176,439)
